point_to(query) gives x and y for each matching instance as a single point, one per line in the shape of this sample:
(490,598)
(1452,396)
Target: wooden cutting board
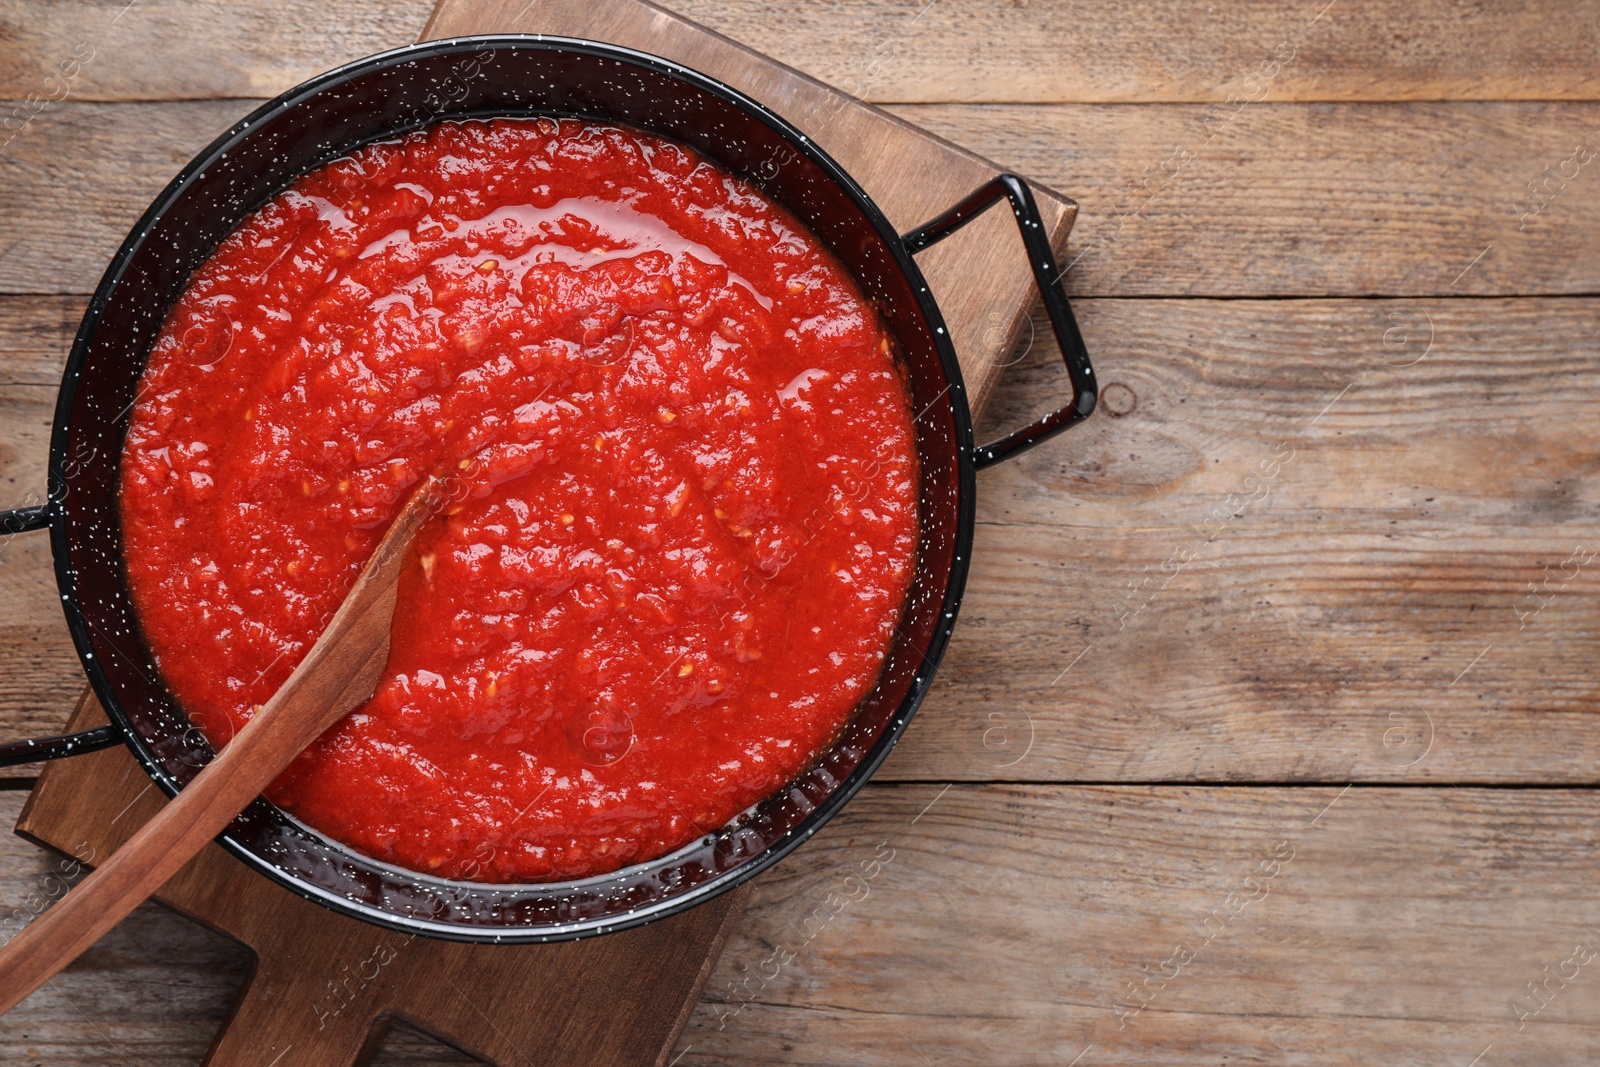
(325,986)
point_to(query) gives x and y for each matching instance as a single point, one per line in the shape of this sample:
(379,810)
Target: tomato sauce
(685,492)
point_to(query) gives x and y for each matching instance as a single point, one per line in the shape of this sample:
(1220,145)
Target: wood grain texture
(35,334)
(1003,925)
(1337,539)
(1012,923)
(1293,199)
(43,169)
(1310,199)
(1061,51)
(1282,637)
(39,671)
(177,49)
(909,50)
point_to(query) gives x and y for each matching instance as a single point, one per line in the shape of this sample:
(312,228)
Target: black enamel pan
(390,94)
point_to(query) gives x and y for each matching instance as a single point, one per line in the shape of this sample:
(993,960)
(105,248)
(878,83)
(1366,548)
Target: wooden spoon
(339,673)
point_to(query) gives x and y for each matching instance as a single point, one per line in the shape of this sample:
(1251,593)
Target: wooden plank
(1291,199)
(25,412)
(976,52)
(1003,925)
(908,50)
(37,663)
(63,147)
(1290,552)
(35,336)
(1396,544)
(39,672)
(76,179)
(1394,927)
(1310,199)
(175,49)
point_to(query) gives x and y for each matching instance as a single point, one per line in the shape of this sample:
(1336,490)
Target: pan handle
(21,520)
(1056,307)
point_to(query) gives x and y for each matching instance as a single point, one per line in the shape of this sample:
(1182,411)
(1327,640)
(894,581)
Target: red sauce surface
(686,481)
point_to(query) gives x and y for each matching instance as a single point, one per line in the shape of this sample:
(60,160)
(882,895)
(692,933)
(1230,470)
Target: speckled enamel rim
(720,883)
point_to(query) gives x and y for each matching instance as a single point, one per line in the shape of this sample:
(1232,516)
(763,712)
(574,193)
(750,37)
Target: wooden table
(1268,734)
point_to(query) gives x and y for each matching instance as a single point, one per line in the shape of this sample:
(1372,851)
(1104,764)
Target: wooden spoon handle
(338,674)
(200,812)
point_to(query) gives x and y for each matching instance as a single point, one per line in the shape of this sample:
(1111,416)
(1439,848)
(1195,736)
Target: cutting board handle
(254,1036)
